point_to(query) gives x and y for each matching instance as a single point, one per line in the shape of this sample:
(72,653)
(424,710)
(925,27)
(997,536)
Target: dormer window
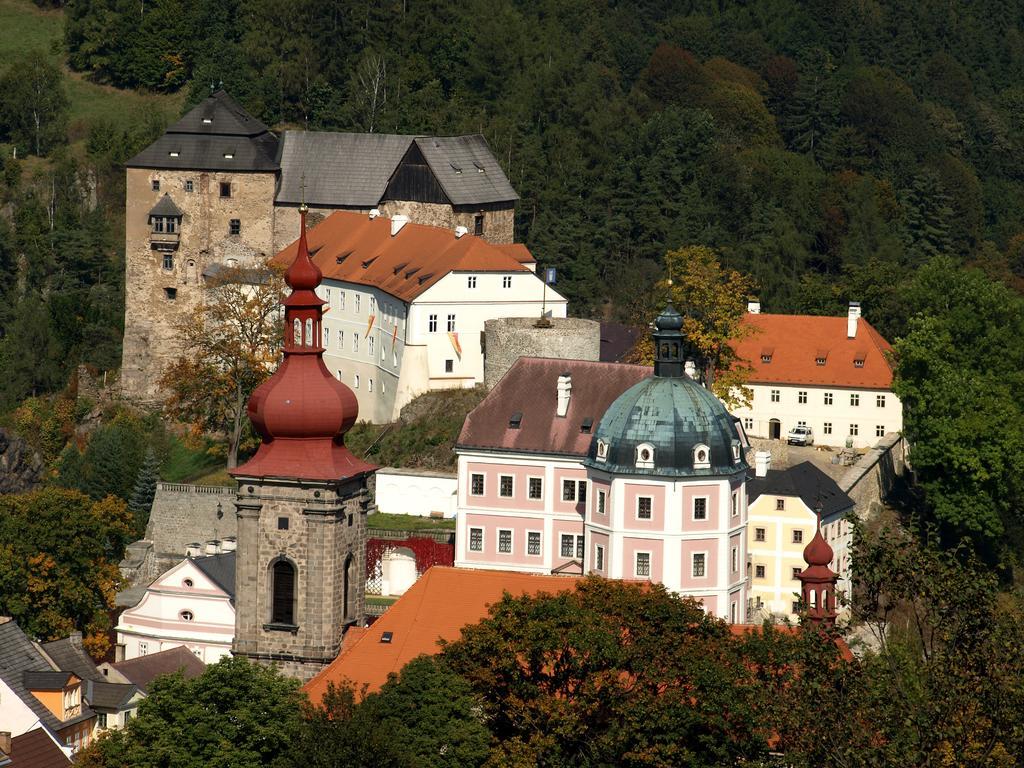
(819,361)
(229,155)
(701,457)
(766,357)
(735,451)
(173,153)
(602,450)
(645,456)
(821,357)
(858,362)
(207,121)
(516,420)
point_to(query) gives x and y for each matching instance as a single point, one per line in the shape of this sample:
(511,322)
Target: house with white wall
(190,605)
(833,374)
(405,304)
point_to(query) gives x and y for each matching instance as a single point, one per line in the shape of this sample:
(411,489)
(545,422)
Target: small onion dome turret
(818,556)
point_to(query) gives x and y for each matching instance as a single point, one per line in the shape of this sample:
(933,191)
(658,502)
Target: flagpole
(543,322)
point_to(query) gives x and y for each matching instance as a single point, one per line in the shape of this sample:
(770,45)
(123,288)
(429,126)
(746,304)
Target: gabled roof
(352,170)
(69,655)
(18,656)
(437,606)
(46,680)
(221,570)
(794,342)
(144,669)
(216,135)
(355,248)
(166,207)
(806,482)
(37,749)
(530,388)
(109,696)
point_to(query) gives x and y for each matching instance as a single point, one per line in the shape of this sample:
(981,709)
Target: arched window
(348,594)
(701,456)
(645,456)
(297,332)
(309,332)
(282,586)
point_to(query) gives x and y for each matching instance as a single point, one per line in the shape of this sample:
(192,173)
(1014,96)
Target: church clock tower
(302,501)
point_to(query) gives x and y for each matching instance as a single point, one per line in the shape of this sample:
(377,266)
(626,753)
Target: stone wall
(508,339)
(21,468)
(869,481)
(183,514)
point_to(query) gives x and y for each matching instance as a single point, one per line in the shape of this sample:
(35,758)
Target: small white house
(190,605)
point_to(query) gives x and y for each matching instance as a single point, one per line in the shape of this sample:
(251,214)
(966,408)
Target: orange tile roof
(438,605)
(517,251)
(354,248)
(794,342)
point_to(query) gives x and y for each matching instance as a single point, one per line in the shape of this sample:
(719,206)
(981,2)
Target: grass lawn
(408,523)
(191,465)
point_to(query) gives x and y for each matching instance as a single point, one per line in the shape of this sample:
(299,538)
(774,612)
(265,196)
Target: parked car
(800,435)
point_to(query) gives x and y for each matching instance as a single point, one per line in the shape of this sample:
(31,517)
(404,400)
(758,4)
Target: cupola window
(735,451)
(645,456)
(701,457)
(602,450)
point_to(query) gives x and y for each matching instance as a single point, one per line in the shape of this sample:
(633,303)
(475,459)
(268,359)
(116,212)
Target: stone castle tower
(302,501)
(219,189)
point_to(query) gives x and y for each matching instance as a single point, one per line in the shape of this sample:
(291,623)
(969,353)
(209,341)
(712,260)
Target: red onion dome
(303,274)
(818,552)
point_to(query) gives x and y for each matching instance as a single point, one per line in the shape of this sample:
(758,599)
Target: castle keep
(220,189)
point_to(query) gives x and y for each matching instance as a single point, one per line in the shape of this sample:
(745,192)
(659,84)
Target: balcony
(164,241)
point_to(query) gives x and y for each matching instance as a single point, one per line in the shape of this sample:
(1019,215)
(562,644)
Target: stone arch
(284,578)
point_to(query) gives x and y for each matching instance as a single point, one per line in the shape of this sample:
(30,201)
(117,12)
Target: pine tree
(141,502)
(815,109)
(927,218)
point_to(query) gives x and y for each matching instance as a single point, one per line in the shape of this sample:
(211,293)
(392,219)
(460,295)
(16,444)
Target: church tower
(302,501)
(818,580)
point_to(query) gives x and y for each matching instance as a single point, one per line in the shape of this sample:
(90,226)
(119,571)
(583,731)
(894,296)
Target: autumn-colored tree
(59,552)
(230,343)
(713,301)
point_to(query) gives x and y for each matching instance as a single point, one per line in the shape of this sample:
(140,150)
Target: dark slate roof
(46,680)
(805,481)
(69,656)
(221,569)
(37,749)
(466,169)
(352,170)
(107,696)
(617,341)
(192,144)
(530,388)
(18,656)
(349,170)
(166,207)
(144,669)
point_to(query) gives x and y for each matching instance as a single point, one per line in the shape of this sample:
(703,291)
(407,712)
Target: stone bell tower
(302,501)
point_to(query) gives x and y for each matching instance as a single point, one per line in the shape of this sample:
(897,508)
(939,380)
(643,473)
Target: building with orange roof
(831,374)
(406,304)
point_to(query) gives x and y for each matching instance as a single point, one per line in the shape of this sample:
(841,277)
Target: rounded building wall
(509,338)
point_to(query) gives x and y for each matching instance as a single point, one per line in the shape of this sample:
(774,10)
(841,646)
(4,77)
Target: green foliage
(235,714)
(393,522)
(34,110)
(141,501)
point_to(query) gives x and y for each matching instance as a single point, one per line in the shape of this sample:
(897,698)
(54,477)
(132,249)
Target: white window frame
(760,534)
(879,430)
(734,559)
(801,397)
(143,648)
(693,561)
(572,484)
(636,563)
(602,449)
(693,509)
(341,340)
(854,400)
(529,487)
(341,301)
(506,281)
(512,484)
(697,450)
(355,381)
(572,545)
(355,342)
(540,544)
(369,345)
(879,401)
(642,463)
(855,430)
(735,503)
(450,325)
(601,502)
(431,323)
(511,541)
(598,557)
(471,281)
(483,483)
(748,424)
(827,398)
(636,510)
(359,301)
(775,395)
(826,428)
(469,539)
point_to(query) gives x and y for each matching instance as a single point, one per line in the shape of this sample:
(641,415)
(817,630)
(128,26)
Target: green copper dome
(667,425)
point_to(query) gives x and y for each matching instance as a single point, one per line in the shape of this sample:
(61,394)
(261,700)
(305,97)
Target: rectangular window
(796,573)
(775,396)
(600,502)
(225,189)
(780,504)
(341,300)
(341,340)
(327,297)
(759,534)
(880,430)
(158,223)
(699,564)
(189,187)
(735,504)
(449,366)
(156,185)
(758,571)
(796,606)
(880,401)
(568,490)
(828,398)
(355,382)
(599,558)
(168,261)
(373,304)
(854,400)
(471,281)
(476,484)
(432,323)
(505,486)
(536,488)
(369,345)
(700,508)
(801,396)
(735,559)
(369,385)
(101,719)
(235,227)
(533,543)
(359,301)
(854,430)
(143,648)
(643,508)
(581,492)
(748,424)
(827,428)
(170,294)
(643,564)
(798,536)
(355,342)
(506,281)
(579,548)
(478,224)
(504,541)
(476,539)
(568,543)
(451,323)
(801,423)
(282,523)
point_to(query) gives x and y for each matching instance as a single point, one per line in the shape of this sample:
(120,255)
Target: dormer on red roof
(302,412)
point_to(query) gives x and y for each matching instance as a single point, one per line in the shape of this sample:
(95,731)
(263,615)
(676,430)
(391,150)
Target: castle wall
(508,339)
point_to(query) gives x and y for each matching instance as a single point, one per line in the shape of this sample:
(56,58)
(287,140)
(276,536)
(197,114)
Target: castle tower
(302,501)
(818,580)
(201,195)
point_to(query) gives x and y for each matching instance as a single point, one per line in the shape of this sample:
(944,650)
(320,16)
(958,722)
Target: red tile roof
(438,606)
(530,388)
(794,342)
(36,749)
(354,248)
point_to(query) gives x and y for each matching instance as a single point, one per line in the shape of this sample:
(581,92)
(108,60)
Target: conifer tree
(141,502)
(927,218)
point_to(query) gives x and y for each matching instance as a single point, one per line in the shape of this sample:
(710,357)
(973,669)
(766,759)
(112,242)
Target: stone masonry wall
(870,480)
(508,339)
(151,340)
(183,514)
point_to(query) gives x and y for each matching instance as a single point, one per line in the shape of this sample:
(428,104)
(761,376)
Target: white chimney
(690,369)
(230,544)
(754,307)
(762,463)
(193,549)
(212,547)
(374,213)
(460,231)
(397,222)
(564,393)
(851,320)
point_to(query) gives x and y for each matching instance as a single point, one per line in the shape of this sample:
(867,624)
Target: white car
(800,435)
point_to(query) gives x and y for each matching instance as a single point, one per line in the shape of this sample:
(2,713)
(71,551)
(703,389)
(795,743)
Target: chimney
(397,222)
(762,463)
(374,213)
(851,320)
(690,369)
(5,742)
(193,549)
(460,231)
(230,544)
(212,547)
(564,393)
(754,307)
(76,639)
